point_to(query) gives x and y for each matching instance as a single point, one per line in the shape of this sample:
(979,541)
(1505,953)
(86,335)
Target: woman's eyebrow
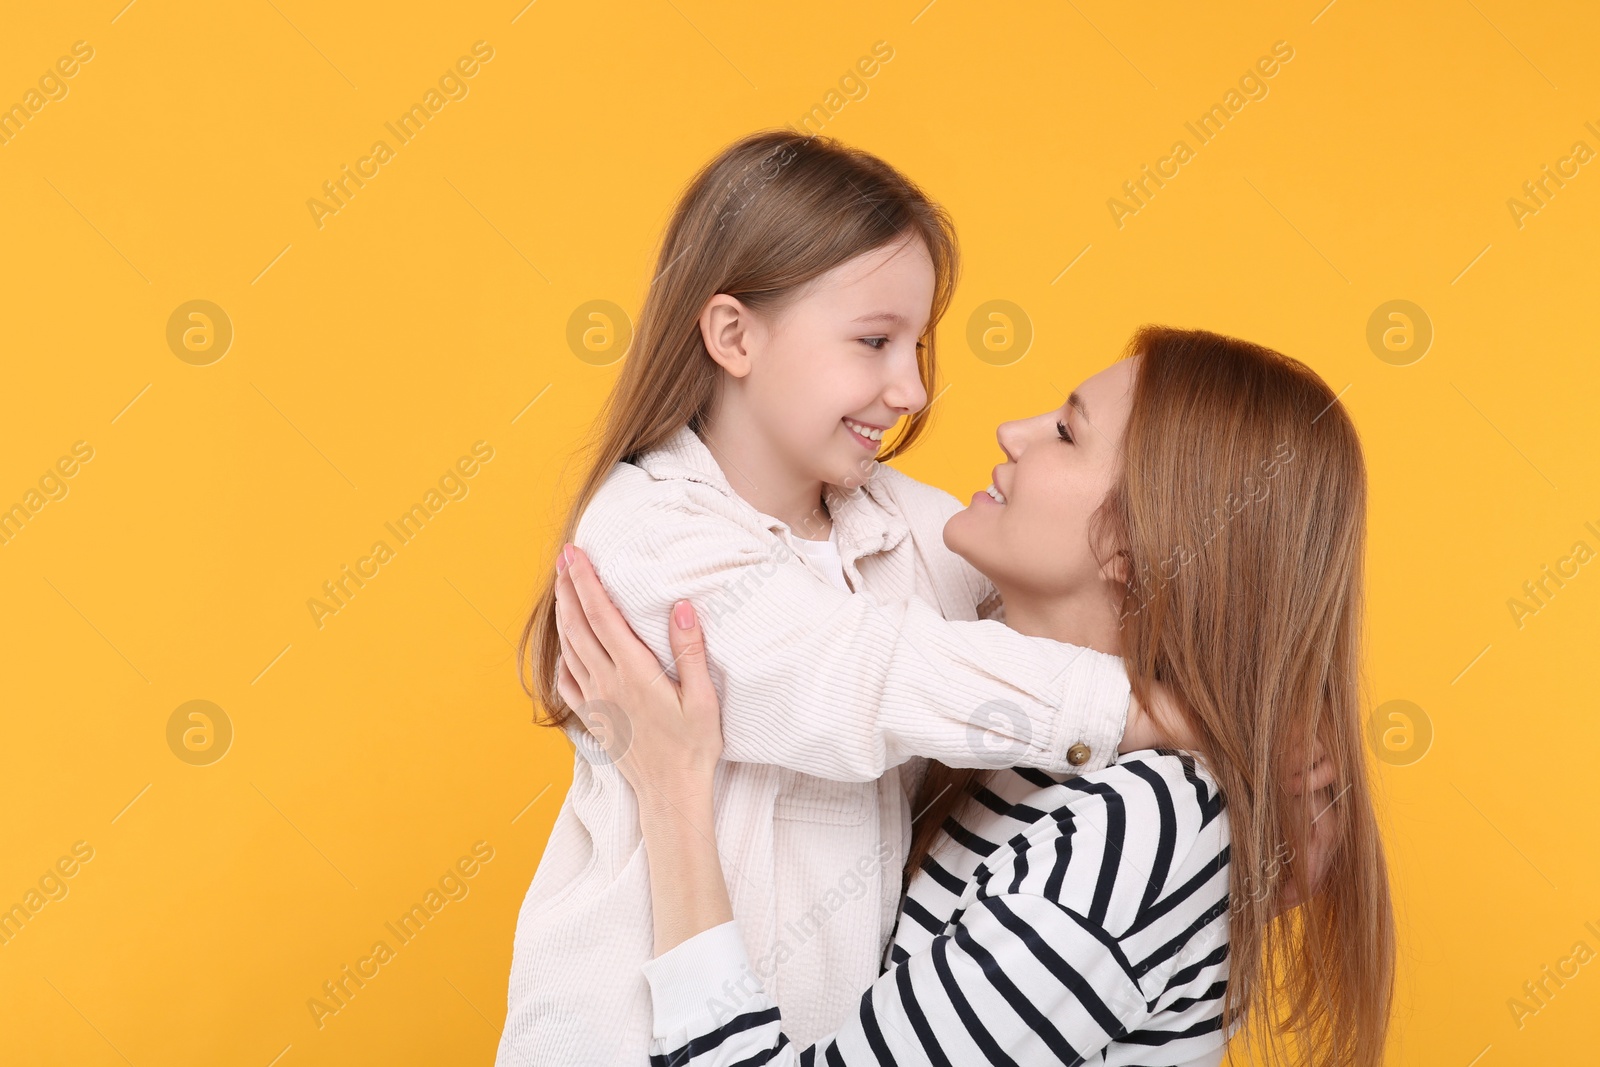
(1076,401)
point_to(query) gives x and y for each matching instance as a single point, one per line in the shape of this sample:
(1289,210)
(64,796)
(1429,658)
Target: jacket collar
(866,519)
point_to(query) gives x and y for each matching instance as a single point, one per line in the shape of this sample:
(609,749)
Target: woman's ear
(1115,568)
(727,328)
(1115,562)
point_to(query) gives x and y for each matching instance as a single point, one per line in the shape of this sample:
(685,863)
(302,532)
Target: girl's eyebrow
(894,318)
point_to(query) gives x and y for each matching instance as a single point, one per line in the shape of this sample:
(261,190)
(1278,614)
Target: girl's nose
(906,393)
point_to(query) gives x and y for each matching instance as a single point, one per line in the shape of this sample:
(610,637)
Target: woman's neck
(1162,722)
(1071,620)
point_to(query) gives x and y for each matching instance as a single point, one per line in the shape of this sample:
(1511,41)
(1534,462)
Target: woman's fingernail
(683,615)
(564,558)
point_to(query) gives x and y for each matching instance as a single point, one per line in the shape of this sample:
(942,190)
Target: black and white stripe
(1059,920)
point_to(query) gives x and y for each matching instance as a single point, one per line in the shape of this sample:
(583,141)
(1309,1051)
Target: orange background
(371,753)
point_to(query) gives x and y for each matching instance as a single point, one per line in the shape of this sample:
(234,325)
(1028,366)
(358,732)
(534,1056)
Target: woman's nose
(1010,437)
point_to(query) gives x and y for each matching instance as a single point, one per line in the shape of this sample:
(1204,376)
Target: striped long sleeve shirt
(1059,920)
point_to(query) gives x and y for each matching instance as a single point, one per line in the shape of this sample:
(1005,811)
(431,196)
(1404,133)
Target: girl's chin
(856,468)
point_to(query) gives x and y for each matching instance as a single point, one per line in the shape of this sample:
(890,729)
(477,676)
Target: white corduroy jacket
(831,703)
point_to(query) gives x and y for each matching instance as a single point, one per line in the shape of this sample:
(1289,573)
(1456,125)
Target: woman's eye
(1061,429)
(875,343)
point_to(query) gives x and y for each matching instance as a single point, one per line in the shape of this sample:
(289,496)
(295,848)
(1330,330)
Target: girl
(788,330)
(1101,918)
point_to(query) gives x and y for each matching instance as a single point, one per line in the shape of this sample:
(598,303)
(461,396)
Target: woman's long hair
(1241,513)
(771,212)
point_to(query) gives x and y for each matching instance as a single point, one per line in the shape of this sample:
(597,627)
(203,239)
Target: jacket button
(1078,754)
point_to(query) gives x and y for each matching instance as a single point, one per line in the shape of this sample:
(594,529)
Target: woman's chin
(963,536)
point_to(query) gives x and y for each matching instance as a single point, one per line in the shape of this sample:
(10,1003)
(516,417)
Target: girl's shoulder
(676,479)
(961,590)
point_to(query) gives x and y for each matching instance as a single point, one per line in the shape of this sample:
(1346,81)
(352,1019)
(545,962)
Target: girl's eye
(1061,430)
(875,343)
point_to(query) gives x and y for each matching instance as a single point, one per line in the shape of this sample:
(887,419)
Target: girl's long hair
(772,211)
(1241,513)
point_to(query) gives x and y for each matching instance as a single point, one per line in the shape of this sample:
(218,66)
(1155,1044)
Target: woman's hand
(1316,791)
(664,738)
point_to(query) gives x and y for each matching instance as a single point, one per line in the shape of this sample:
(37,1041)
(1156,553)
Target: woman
(1199,510)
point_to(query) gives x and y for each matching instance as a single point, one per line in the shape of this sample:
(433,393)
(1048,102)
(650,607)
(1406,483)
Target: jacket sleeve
(835,684)
(1019,979)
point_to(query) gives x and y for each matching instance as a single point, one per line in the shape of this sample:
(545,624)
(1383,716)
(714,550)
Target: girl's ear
(727,328)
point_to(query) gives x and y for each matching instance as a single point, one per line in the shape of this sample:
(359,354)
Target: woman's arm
(666,740)
(1019,979)
(688,893)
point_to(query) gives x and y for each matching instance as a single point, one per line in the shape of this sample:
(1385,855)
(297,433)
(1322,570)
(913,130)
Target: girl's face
(1034,542)
(821,381)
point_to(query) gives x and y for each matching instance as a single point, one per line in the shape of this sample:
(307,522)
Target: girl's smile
(868,436)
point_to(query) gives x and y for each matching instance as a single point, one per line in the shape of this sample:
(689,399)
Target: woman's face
(1034,540)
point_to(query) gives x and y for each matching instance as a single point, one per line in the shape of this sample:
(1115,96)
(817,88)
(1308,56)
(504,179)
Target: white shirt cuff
(689,984)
